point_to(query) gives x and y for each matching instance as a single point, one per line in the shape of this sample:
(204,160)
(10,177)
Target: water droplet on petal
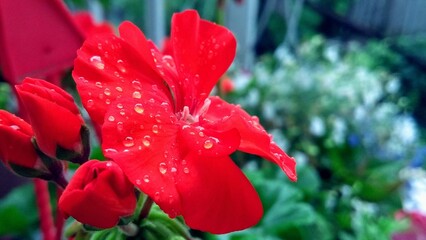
(97,61)
(136,84)
(146,178)
(110,150)
(111,118)
(109,164)
(107,91)
(186,170)
(122,112)
(138,182)
(155,129)
(98,84)
(15,127)
(138,108)
(90,103)
(119,89)
(208,144)
(163,168)
(137,95)
(120,66)
(156,196)
(173,170)
(158,118)
(201,134)
(146,141)
(120,126)
(107,101)
(119,105)
(128,142)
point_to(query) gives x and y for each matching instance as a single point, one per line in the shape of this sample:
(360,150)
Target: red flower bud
(226,85)
(15,141)
(55,118)
(99,194)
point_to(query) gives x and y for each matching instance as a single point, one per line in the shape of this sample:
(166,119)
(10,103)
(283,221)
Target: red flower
(15,141)
(170,138)
(89,27)
(55,118)
(226,85)
(99,194)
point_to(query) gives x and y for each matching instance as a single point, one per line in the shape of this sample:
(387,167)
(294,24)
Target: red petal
(254,138)
(140,136)
(203,51)
(52,124)
(15,141)
(109,68)
(98,195)
(216,196)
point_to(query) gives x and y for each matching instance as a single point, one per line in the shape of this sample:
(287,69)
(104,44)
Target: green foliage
(18,207)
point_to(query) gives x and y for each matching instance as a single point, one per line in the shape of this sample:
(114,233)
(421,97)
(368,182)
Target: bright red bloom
(170,138)
(99,194)
(89,27)
(226,85)
(15,141)
(55,118)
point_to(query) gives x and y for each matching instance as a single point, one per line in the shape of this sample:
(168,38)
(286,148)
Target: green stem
(145,209)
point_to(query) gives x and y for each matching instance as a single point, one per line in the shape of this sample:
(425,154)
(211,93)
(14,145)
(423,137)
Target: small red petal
(202,51)
(216,196)
(254,138)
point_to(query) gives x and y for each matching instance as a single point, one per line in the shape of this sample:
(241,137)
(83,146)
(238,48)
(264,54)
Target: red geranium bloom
(53,115)
(170,138)
(99,194)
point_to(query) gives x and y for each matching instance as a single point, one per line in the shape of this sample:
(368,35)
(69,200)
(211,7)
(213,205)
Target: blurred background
(341,85)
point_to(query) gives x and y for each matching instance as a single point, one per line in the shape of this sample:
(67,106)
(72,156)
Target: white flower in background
(317,126)
(339,130)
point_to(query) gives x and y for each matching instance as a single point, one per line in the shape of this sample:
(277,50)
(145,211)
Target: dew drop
(107,101)
(136,84)
(163,168)
(137,95)
(173,170)
(90,103)
(156,196)
(186,170)
(109,164)
(119,105)
(122,112)
(208,144)
(97,61)
(201,134)
(146,141)
(107,91)
(146,178)
(111,150)
(98,84)
(120,126)
(138,108)
(138,182)
(155,129)
(15,127)
(154,87)
(158,118)
(111,118)
(119,89)
(120,66)
(128,142)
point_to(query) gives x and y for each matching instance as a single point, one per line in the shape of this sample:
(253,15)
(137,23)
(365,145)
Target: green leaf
(18,212)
